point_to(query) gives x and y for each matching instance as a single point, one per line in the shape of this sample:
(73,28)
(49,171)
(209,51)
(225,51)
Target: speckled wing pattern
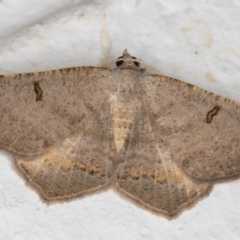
(157,141)
(149,175)
(184,139)
(200,129)
(54,123)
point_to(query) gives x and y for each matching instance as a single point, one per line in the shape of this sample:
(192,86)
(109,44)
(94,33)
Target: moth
(160,142)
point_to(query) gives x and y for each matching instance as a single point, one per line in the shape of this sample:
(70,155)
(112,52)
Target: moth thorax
(122,118)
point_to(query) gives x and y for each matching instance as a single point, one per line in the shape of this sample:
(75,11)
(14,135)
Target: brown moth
(159,142)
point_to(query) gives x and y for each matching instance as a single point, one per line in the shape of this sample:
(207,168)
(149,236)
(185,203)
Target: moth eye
(136,63)
(119,62)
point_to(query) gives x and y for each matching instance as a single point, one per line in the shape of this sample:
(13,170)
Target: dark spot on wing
(212,113)
(38,91)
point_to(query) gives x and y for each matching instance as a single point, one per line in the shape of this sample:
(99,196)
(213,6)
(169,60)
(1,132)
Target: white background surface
(195,41)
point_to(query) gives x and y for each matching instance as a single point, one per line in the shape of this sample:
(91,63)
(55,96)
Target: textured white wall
(195,41)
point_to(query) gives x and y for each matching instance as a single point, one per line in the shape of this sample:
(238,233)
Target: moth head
(126,62)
